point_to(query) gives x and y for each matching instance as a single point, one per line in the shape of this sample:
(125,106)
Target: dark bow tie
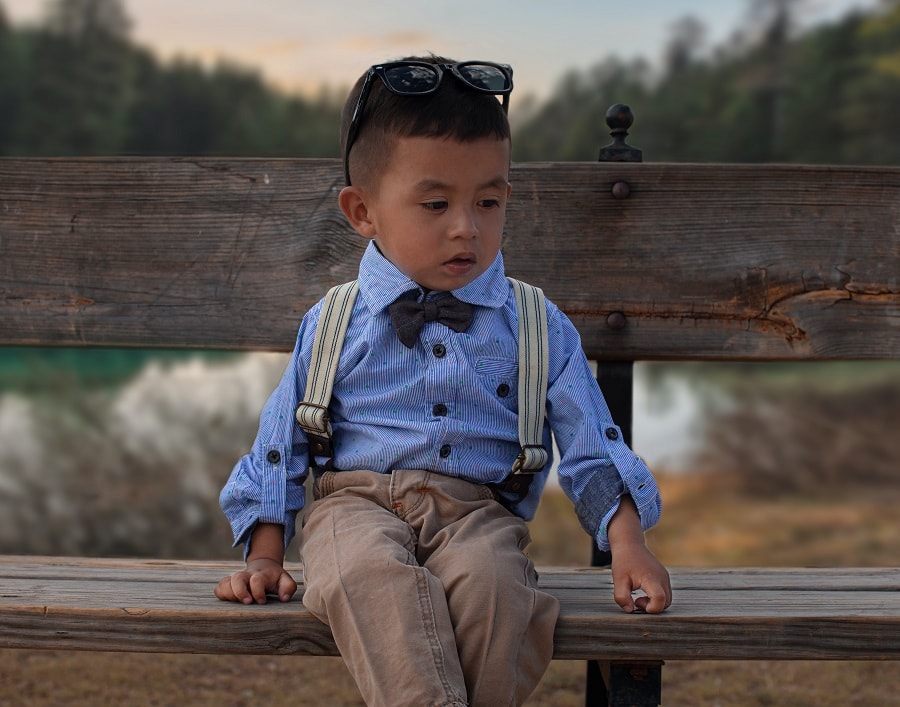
(409,316)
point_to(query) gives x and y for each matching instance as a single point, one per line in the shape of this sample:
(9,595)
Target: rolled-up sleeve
(266,485)
(602,493)
(596,467)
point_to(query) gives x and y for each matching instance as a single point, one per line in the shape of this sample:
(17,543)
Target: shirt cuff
(623,473)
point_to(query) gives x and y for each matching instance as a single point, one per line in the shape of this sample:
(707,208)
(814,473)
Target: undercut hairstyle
(454,112)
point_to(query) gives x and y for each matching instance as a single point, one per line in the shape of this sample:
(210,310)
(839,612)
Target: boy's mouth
(461,259)
(461,263)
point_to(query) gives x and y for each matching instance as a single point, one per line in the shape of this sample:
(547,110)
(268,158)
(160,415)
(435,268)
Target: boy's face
(438,208)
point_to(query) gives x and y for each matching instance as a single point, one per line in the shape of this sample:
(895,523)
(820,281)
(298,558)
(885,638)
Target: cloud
(407,38)
(271,50)
(367,44)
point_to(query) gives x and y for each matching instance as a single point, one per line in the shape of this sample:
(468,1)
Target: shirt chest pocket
(499,379)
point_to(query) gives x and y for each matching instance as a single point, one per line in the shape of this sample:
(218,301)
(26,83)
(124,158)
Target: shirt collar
(381,282)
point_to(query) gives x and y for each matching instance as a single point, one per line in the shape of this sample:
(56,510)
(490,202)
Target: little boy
(412,553)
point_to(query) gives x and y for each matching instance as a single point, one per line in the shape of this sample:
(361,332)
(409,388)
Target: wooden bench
(164,606)
(651,262)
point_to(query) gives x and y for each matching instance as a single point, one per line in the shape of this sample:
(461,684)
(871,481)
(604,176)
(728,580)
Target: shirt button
(273,457)
(445,451)
(439,350)
(439,410)
(503,390)
(612,434)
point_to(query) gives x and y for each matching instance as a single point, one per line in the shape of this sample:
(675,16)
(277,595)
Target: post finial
(619,118)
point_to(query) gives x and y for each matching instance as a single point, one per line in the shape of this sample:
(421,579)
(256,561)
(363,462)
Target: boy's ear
(355,205)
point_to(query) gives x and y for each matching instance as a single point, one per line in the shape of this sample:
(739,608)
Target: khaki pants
(424,583)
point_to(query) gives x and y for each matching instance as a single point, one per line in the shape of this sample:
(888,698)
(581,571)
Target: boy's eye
(435,205)
(489,203)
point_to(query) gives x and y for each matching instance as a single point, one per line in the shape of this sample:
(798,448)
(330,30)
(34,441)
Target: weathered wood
(168,606)
(705,261)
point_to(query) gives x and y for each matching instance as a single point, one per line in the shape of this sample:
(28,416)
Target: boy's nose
(464,224)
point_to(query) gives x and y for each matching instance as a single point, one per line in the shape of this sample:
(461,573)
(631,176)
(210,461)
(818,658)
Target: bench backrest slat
(704,261)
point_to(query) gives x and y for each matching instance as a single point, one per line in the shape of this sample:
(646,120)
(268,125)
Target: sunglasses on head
(419,78)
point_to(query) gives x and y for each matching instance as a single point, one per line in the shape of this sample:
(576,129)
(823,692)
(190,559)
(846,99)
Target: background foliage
(77,85)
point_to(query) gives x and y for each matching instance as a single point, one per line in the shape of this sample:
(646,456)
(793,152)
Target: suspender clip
(531,459)
(313,419)
(319,446)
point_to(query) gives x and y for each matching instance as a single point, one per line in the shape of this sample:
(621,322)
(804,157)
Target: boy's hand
(265,573)
(635,567)
(262,576)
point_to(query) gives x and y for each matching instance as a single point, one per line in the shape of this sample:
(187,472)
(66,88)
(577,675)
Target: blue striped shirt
(448,405)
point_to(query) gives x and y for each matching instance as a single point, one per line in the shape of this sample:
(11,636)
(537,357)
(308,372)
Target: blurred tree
(312,128)
(688,37)
(78,80)
(824,67)
(184,110)
(10,85)
(682,107)
(173,110)
(776,20)
(247,112)
(871,103)
(87,20)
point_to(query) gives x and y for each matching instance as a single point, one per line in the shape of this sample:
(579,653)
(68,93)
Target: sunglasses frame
(381,70)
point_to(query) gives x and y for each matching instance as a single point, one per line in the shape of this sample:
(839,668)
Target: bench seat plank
(168,606)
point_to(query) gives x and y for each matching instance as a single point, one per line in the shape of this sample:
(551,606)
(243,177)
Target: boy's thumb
(286,587)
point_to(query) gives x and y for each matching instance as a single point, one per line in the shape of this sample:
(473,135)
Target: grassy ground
(708,521)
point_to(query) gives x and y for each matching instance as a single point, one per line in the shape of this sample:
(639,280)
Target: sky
(300,45)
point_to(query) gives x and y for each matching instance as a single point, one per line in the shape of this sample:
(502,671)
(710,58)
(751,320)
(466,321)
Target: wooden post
(611,684)
(616,378)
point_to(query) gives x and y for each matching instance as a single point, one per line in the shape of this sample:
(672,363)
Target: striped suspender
(533,371)
(312,413)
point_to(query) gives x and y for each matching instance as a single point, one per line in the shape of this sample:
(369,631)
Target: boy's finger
(622,594)
(239,587)
(223,589)
(657,599)
(258,587)
(286,587)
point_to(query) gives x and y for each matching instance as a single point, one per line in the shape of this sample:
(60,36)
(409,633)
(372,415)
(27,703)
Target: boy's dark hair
(454,111)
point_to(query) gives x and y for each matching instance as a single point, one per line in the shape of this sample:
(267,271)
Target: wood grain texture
(168,606)
(705,261)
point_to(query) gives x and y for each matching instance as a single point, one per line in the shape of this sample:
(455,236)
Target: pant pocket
(323,485)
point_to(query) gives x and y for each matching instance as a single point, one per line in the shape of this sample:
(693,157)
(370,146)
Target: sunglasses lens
(485,77)
(411,79)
